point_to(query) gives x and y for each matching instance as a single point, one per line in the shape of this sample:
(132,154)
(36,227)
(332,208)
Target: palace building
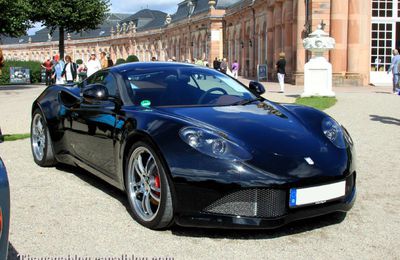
(252,32)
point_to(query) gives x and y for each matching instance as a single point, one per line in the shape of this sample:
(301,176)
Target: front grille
(263,203)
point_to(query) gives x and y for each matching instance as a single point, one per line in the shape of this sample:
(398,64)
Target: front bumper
(278,215)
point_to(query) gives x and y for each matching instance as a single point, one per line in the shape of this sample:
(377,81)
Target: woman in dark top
(69,71)
(280,67)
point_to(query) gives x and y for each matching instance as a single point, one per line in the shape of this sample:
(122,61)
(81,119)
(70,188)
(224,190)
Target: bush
(79,61)
(132,58)
(120,61)
(33,66)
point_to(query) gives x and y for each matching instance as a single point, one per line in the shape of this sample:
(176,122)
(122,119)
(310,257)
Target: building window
(398,9)
(382,8)
(381,44)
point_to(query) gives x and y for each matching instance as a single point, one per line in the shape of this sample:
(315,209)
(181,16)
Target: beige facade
(251,32)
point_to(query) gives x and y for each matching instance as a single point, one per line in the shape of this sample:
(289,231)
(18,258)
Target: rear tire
(42,148)
(148,187)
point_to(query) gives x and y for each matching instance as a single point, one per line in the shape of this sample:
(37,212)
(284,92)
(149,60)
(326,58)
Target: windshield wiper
(247,101)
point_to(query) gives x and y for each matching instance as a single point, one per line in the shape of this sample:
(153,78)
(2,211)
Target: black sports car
(192,146)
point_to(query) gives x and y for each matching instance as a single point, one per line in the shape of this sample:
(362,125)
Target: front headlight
(333,131)
(213,144)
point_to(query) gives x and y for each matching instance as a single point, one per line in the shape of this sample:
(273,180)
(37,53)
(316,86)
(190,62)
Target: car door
(93,127)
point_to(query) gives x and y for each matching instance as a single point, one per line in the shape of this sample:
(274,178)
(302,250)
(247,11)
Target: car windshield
(183,86)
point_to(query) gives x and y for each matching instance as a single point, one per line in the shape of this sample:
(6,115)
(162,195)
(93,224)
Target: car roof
(148,65)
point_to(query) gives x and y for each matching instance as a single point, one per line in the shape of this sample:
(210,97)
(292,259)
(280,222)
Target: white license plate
(316,194)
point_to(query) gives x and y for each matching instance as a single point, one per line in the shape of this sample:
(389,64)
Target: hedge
(33,66)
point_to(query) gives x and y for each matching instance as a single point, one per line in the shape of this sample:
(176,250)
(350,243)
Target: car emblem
(309,160)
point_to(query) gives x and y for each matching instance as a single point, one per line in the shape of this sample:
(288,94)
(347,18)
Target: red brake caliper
(157,183)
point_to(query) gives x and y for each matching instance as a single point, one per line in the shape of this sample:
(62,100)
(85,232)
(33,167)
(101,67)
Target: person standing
(280,67)
(81,70)
(199,62)
(69,71)
(235,69)
(205,63)
(93,65)
(103,60)
(224,66)
(394,68)
(216,64)
(110,61)
(48,66)
(58,70)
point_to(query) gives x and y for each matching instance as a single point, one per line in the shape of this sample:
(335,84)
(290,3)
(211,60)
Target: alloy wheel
(38,137)
(144,183)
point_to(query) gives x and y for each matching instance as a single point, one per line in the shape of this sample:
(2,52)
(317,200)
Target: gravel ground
(66,211)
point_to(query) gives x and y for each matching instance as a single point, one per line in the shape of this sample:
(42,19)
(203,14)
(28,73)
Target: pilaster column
(278,31)
(301,52)
(339,31)
(270,40)
(358,48)
(288,21)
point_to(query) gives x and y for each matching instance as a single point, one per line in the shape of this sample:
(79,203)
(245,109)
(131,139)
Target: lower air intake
(262,203)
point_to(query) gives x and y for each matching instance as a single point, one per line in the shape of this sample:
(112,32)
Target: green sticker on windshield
(145,103)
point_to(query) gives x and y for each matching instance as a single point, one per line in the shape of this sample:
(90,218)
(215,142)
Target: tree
(69,16)
(14,20)
(14,17)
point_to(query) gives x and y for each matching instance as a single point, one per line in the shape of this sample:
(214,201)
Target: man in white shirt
(93,65)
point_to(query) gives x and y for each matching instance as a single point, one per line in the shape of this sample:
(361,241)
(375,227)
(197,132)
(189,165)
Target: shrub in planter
(120,61)
(79,61)
(132,58)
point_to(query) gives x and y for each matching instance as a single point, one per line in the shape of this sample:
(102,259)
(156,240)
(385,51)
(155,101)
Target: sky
(132,6)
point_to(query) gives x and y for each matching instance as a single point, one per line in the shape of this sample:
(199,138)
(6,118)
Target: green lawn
(16,137)
(320,103)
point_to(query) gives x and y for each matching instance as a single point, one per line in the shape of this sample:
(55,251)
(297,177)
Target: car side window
(111,84)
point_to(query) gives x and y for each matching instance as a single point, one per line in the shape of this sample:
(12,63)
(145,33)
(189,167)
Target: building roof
(144,20)
(194,7)
(147,19)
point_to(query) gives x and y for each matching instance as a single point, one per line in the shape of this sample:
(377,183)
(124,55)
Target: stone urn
(212,3)
(318,71)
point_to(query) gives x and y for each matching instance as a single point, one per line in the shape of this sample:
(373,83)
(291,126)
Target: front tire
(148,188)
(42,149)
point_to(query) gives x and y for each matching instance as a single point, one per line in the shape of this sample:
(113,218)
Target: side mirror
(256,87)
(95,92)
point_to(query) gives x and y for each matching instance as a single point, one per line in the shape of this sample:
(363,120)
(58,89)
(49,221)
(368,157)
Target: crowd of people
(61,71)
(221,65)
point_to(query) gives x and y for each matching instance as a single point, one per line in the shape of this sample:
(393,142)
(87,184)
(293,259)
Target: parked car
(195,147)
(4,208)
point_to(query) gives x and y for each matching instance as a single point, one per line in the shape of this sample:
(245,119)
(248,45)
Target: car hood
(278,140)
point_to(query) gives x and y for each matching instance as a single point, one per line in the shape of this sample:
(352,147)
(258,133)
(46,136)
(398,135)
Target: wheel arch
(135,137)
